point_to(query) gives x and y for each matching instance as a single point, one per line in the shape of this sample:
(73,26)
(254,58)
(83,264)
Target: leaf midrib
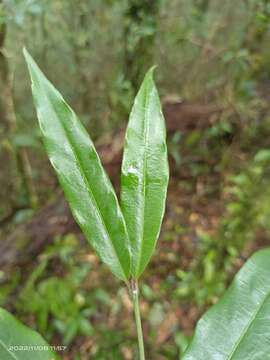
(247,327)
(84,177)
(147,96)
(7,350)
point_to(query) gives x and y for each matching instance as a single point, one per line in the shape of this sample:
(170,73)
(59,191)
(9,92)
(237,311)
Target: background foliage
(213,74)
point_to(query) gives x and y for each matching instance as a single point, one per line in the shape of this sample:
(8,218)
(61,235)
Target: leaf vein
(7,350)
(247,327)
(147,96)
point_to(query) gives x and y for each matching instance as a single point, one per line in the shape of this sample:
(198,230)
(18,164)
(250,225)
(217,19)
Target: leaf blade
(14,335)
(238,326)
(86,185)
(145,174)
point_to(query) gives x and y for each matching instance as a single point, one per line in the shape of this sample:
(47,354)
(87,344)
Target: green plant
(19,342)
(237,327)
(59,303)
(124,237)
(246,216)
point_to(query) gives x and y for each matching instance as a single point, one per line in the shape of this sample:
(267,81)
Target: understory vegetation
(213,76)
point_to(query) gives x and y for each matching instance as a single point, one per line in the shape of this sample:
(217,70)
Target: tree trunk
(140,27)
(202,5)
(16,188)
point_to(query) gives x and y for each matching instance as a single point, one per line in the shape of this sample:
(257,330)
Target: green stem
(136,306)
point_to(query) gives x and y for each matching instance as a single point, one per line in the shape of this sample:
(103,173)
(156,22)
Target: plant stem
(136,306)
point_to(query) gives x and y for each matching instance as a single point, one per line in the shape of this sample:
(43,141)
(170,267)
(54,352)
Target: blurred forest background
(213,75)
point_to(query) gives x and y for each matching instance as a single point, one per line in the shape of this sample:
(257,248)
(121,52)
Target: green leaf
(262,155)
(19,342)
(145,174)
(238,326)
(86,185)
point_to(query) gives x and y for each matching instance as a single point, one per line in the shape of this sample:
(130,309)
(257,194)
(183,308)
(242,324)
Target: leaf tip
(150,72)
(34,70)
(26,54)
